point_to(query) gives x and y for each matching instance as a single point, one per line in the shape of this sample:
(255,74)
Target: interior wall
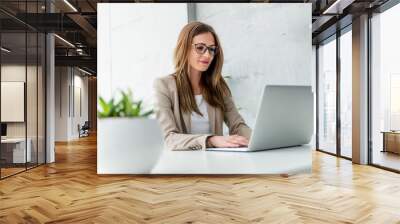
(62,81)
(80,104)
(135,47)
(92,100)
(314,89)
(264,44)
(71,102)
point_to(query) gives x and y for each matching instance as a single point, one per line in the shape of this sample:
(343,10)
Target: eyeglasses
(202,48)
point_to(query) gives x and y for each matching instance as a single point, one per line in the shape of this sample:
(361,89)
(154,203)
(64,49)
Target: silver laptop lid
(285,117)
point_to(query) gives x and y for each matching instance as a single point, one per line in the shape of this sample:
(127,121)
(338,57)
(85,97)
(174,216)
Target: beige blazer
(176,125)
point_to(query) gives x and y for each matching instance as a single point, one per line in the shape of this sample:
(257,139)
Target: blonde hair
(212,83)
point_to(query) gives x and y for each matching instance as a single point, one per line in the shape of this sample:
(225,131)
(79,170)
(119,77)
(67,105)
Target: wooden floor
(5,172)
(70,191)
(387,159)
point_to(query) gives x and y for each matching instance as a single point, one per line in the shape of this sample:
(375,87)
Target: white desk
(279,161)
(19,149)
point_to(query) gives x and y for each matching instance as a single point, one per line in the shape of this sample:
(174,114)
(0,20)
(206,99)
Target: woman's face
(197,59)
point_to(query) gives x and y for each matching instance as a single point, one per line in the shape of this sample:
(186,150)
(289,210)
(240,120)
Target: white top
(278,161)
(200,124)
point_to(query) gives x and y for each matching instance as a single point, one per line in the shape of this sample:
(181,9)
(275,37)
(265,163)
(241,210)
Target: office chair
(84,130)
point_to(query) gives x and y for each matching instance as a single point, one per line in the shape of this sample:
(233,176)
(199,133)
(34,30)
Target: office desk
(17,152)
(391,141)
(278,161)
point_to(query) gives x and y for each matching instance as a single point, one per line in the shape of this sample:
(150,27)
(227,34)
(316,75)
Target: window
(395,101)
(327,96)
(346,94)
(385,88)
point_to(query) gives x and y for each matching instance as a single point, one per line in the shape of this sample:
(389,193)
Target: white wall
(68,82)
(12,100)
(314,89)
(80,84)
(135,45)
(263,44)
(15,73)
(61,103)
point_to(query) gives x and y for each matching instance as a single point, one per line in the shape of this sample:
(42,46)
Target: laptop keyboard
(240,149)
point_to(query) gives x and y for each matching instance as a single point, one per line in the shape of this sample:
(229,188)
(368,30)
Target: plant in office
(129,141)
(126,107)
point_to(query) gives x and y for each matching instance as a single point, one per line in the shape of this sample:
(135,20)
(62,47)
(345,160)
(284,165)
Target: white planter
(128,145)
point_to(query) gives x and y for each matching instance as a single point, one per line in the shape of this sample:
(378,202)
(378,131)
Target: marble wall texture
(135,45)
(262,43)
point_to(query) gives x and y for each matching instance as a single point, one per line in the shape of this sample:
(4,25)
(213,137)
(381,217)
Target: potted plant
(129,142)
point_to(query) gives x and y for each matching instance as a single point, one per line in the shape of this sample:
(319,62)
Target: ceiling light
(331,7)
(338,6)
(5,50)
(70,5)
(64,40)
(84,71)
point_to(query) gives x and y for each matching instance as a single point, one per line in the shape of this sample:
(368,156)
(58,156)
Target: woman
(192,103)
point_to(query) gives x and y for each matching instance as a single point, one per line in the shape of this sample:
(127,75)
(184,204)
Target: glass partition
(13,105)
(22,67)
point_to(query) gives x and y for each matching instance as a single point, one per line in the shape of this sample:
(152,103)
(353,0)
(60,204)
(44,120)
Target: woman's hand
(230,141)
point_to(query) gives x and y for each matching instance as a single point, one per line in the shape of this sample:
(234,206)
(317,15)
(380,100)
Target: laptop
(284,119)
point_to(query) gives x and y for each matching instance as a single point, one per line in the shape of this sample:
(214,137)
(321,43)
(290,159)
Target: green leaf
(125,107)
(112,108)
(137,108)
(148,113)
(105,108)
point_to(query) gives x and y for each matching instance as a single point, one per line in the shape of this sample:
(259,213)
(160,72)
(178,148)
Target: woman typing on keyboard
(192,103)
